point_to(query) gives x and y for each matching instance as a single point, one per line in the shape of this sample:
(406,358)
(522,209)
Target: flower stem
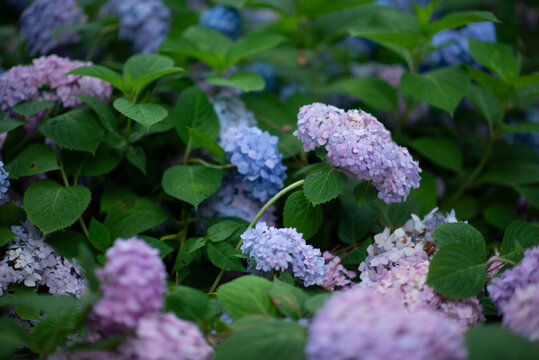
(207,164)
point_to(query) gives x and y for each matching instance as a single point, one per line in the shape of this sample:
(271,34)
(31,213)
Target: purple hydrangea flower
(254,153)
(40,19)
(133,282)
(522,312)
(146,23)
(268,73)
(452,45)
(338,276)
(361,323)
(358,143)
(224,19)
(285,249)
(503,288)
(411,243)
(231,112)
(4,182)
(32,262)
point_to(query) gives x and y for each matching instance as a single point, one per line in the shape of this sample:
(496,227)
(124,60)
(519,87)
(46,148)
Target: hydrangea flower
(502,288)
(4,182)
(361,323)
(146,23)
(285,249)
(233,200)
(407,282)
(411,243)
(45,79)
(133,282)
(338,275)
(224,19)
(268,73)
(254,153)
(358,143)
(40,19)
(521,313)
(403,5)
(231,112)
(32,262)
(452,45)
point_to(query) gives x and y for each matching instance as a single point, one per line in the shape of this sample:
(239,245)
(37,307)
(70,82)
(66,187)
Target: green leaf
(12,337)
(103,162)
(287,298)
(512,173)
(189,304)
(26,312)
(441,151)
(485,103)
(183,46)
(242,80)
(75,130)
(99,235)
(193,110)
(493,342)
(459,18)
(251,44)
(44,302)
(5,235)
(525,126)
(11,214)
(299,213)
(443,88)
(246,295)
(104,113)
(518,236)
(315,303)
(158,244)
(53,331)
(35,159)
(365,193)
(374,92)
(144,114)
(460,233)
(192,184)
(500,216)
(52,207)
(457,272)
(29,108)
(207,143)
(498,88)
(102,73)
(6,125)
(142,69)
(324,185)
(495,57)
(267,340)
(223,255)
(531,193)
(223,230)
(136,156)
(66,243)
(188,252)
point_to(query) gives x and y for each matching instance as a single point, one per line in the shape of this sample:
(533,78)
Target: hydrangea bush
(292,180)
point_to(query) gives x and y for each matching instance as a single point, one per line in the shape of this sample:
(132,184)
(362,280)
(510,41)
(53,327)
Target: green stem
(187,150)
(207,164)
(252,224)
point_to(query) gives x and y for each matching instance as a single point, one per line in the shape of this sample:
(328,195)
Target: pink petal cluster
(133,282)
(361,323)
(521,313)
(359,144)
(338,276)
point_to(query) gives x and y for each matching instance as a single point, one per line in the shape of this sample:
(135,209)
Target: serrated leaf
(456,271)
(75,130)
(223,255)
(103,162)
(374,92)
(52,207)
(495,57)
(512,173)
(158,244)
(136,156)
(324,185)
(462,234)
(5,235)
(29,108)
(99,235)
(189,304)
(518,236)
(6,125)
(102,73)
(144,114)
(245,81)
(142,69)
(493,342)
(299,213)
(225,229)
(251,44)
(498,88)
(11,214)
(192,184)
(246,295)
(500,216)
(485,103)
(188,252)
(53,331)
(103,112)
(441,151)
(443,88)
(287,298)
(207,143)
(66,243)
(35,159)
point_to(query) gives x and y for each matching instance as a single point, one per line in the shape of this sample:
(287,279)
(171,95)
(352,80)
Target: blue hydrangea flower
(452,45)
(41,18)
(224,19)
(285,249)
(4,182)
(146,23)
(268,73)
(231,112)
(258,162)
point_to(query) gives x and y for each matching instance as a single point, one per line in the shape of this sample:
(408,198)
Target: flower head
(224,19)
(231,112)
(338,275)
(361,323)
(133,282)
(285,249)
(4,182)
(521,313)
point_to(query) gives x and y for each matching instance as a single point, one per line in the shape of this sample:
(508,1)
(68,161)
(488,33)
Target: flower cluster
(40,19)
(4,182)
(45,79)
(133,282)
(411,243)
(407,282)
(224,19)
(285,249)
(521,313)
(338,275)
(358,143)
(254,153)
(452,45)
(32,262)
(231,112)
(146,23)
(361,323)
